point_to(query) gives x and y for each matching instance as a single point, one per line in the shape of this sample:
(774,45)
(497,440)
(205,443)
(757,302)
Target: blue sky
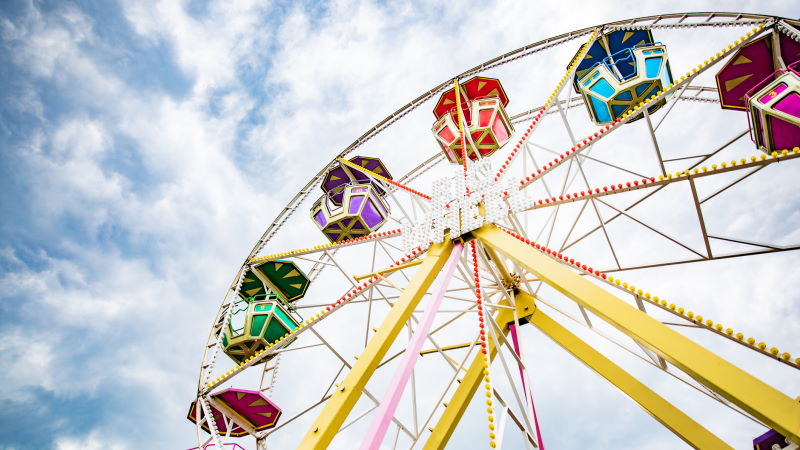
(144,146)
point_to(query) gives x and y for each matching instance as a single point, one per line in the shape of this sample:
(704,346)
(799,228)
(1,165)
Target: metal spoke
(502,279)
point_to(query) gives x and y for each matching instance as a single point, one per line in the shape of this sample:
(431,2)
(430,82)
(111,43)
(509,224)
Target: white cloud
(93,441)
(160,245)
(209,49)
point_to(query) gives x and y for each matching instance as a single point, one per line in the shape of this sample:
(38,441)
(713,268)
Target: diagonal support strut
(762,401)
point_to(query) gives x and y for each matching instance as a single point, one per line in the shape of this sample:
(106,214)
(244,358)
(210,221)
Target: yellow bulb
(762,345)
(729,331)
(647,295)
(709,322)
(690,314)
(680,310)
(672,306)
(773,350)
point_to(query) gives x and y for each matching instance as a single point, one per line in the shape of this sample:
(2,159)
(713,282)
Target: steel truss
(400,290)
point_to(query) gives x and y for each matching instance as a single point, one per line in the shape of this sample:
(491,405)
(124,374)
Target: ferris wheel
(388,302)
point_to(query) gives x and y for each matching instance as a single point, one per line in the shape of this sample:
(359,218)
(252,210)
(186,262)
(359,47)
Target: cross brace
(342,401)
(765,403)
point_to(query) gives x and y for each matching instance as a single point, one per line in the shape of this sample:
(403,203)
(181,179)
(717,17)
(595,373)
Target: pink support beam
(528,396)
(380,423)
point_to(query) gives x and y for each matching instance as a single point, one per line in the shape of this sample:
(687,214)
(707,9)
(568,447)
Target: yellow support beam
(762,401)
(363,169)
(472,379)
(344,398)
(670,416)
(444,349)
(388,270)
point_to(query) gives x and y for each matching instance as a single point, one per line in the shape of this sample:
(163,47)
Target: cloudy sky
(144,147)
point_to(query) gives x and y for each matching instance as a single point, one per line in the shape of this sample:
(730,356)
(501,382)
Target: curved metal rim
(543,44)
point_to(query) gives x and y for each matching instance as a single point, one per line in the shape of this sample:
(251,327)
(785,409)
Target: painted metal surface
(483,103)
(749,66)
(342,175)
(344,398)
(458,403)
(263,322)
(362,212)
(620,82)
(762,401)
(768,439)
(265,233)
(388,405)
(352,204)
(219,421)
(528,395)
(609,44)
(773,111)
(225,446)
(251,407)
(663,411)
(280,276)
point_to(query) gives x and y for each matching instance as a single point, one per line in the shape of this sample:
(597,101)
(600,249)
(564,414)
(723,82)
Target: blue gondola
(609,44)
(622,80)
